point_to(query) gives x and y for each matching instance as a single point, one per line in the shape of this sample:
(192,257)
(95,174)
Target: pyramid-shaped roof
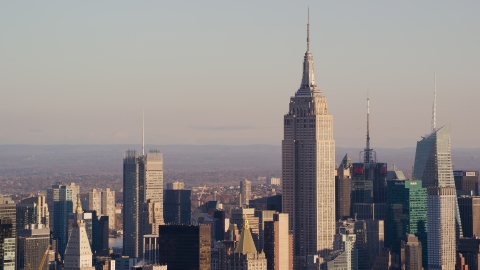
(246,244)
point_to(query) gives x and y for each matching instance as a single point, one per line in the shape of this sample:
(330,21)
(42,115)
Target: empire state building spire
(308,86)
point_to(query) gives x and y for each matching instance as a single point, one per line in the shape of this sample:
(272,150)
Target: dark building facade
(32,244)
(368,187)
(184,247)
(219,225)
(469,207)
(470,249)
(466,182)
(406,214)
(177,206)
(7,244)
(99,234)
(267,203)
(343,189)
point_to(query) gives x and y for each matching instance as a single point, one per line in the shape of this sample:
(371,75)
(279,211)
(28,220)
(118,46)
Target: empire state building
(308,168)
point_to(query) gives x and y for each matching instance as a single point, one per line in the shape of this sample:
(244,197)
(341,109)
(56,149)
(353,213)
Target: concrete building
(94,200)
(151,217)
(308,168)
(108,206)
(150,248)
(345,254)
(277,243)
(7,244)
(61,201)
(274,181)
(33,210)
(184,247)
(142,181)
(176,185)
(343,188)
(469,207)
(32,244)
(78,254)
(245,191)
(441,238)
(177,206)
(411,253)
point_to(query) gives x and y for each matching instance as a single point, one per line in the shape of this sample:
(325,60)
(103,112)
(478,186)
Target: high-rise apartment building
(441,239)
(277,241)
(176,185)
(103,203)
(142,181)
(345,254)
(33,210)
(466,182)
(245,191)
(151,216)
(406,214)
(184,247)
(469,207)
(177,206)
(61,192)
(32,244)
(7,243)
(308,167)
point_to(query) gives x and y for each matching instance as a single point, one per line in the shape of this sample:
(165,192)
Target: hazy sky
(222,72)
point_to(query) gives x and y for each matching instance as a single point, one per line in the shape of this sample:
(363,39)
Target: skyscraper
(411,253)
(469,207)
(343,188)
(177,206)
(33,210)
(32,244)
(7,244)
(466,182)
(308,167)
(277,243)
(245,191)
(142,181)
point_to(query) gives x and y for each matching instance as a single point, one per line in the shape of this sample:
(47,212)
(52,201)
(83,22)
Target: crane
(201,194)
(40,267)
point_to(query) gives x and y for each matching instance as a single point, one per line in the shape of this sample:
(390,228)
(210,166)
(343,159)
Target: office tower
(99,232)
(267,203)
(441,227)
(219,225)
(308,167)
(61,192)
(176,185)
(245,191)
(33,210)
(142,181)
(151,216)
(469,207)
(345,254)
(78,254)
(277,243)
(177,206)
(411,253)
(184,246)
(470,249)
(368,185)
(8,210)
(7,243)
(383,261)
(103,203)
(343,188)
(32,244)
(61,201)
(238,216)
(406,214)
(466,182)
(87,218)
(150,248)
(433,165)
(263,216)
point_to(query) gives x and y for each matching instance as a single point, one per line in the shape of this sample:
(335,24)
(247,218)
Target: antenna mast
(308,29)
(434,109)
(143,132)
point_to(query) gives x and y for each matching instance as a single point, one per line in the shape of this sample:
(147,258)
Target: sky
(222,72)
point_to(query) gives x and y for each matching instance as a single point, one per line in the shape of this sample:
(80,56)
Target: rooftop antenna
(434,109)
(143,132)
(308,29)
(368,119)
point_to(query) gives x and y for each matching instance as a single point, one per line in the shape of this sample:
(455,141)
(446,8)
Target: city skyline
(113,65)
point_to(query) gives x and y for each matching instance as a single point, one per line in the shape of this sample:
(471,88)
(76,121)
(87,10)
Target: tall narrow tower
(308,167)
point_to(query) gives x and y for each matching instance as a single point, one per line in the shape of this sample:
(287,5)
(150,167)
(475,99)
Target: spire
(143,132)
(434,109)
(368,121)
(308,86)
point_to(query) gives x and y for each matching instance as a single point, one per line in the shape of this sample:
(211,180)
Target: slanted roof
(246,244)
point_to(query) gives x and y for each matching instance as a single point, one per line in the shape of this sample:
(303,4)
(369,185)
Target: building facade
(343,189)
(32,244)
(7,244)
(411,253)
(469,207)
(441,240)
(245,191)
(466,182)
(308,168)
(177,206)
(277,241)
(32,210)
